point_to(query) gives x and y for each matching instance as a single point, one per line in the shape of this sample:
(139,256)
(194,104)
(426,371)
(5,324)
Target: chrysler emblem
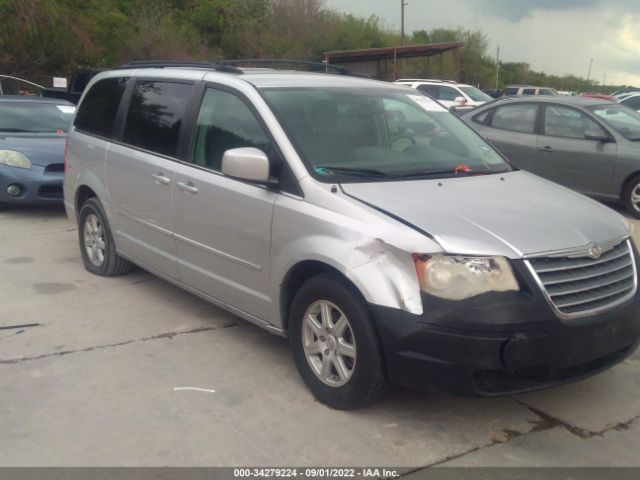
(594,251)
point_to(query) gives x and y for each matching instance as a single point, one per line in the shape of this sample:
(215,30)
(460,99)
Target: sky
(554,36)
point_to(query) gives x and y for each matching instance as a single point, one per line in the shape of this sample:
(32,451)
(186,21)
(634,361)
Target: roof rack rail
(320,66)
(435,80)
(179,64)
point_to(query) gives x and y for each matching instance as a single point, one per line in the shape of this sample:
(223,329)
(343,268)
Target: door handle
(547,149)
(187,187)
(160,179)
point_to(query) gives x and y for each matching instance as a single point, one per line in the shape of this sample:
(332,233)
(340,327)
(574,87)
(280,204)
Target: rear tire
(631,196)
(337,353)
(96,242)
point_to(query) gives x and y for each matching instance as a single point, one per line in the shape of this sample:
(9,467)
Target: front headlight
(14,159)
(457,278)
(634,234)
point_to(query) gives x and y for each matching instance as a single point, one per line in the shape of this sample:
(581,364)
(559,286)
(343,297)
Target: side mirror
(246,163)
(460,101)
(596,135)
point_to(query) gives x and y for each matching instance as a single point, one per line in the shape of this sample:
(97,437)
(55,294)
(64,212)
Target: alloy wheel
(328,342)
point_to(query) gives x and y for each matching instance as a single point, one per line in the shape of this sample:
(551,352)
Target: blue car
(33,133)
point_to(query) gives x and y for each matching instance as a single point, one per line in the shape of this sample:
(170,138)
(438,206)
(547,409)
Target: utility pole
(402,5)
(604,80)
(497,66)
(589,72)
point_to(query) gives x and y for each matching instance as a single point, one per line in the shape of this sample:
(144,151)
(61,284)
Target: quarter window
(516,118)
(156,114)
(97,112)
(225,122)
(567,122)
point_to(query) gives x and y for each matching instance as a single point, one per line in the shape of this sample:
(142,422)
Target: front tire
(96,242)
(4,206)
(631,196)
(335,345)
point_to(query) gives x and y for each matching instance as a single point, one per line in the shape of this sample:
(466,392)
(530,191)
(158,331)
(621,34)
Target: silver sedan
(587,144)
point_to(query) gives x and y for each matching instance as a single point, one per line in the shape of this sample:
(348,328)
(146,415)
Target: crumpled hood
(511,215)
(41,149)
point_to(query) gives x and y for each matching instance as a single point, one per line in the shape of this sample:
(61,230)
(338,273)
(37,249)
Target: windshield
(624,120)
(476,95)
(367,134)
(34,117)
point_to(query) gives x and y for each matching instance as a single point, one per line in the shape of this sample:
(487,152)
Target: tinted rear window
(98,109)
(156,114)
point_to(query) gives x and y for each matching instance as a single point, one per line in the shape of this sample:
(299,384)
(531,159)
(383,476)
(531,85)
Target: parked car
(512,90)
(623,91)
(377,231)
(493,93)
(588,144)
(632,101)
(33,132)
(448,92)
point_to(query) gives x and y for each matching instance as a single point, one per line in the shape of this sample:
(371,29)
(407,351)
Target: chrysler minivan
(384,237)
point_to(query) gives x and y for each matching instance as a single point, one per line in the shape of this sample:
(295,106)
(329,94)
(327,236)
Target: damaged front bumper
(502,343)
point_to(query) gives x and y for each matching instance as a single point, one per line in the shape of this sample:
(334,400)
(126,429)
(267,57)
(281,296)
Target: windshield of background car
(476,95)
(33,117)
(367,134)
(624,120)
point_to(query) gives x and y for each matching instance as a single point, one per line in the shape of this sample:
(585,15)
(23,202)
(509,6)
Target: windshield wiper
(363,172)
(15,130)
(466,173)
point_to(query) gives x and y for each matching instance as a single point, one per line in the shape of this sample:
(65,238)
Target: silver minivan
(361,219)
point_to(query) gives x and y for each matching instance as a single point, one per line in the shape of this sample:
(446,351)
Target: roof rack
(319,66)
(436,80)
(180,64)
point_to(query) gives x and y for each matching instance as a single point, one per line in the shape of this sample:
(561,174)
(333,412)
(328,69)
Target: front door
(223,225)
(584,165)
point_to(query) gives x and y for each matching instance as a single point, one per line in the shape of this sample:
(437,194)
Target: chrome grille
(579,285)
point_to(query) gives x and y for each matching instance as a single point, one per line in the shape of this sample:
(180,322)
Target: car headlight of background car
(456,277)
(634,234)
(14,159)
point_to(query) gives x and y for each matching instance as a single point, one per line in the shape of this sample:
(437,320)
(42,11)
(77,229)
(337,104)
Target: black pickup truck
(73,92)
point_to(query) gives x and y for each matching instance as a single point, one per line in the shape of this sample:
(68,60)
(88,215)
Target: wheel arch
(626,182)
(83,193)
(296,276)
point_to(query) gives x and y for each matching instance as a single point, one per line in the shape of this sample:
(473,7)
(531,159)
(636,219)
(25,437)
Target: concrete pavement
(98,380)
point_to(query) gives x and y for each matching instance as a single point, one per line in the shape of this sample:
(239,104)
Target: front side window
(568,123)
(448,94)
(35,117)
(98,109)
(351,134)
(156,114)
(622,119)
(225,122)
(516,118)
(633,102)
